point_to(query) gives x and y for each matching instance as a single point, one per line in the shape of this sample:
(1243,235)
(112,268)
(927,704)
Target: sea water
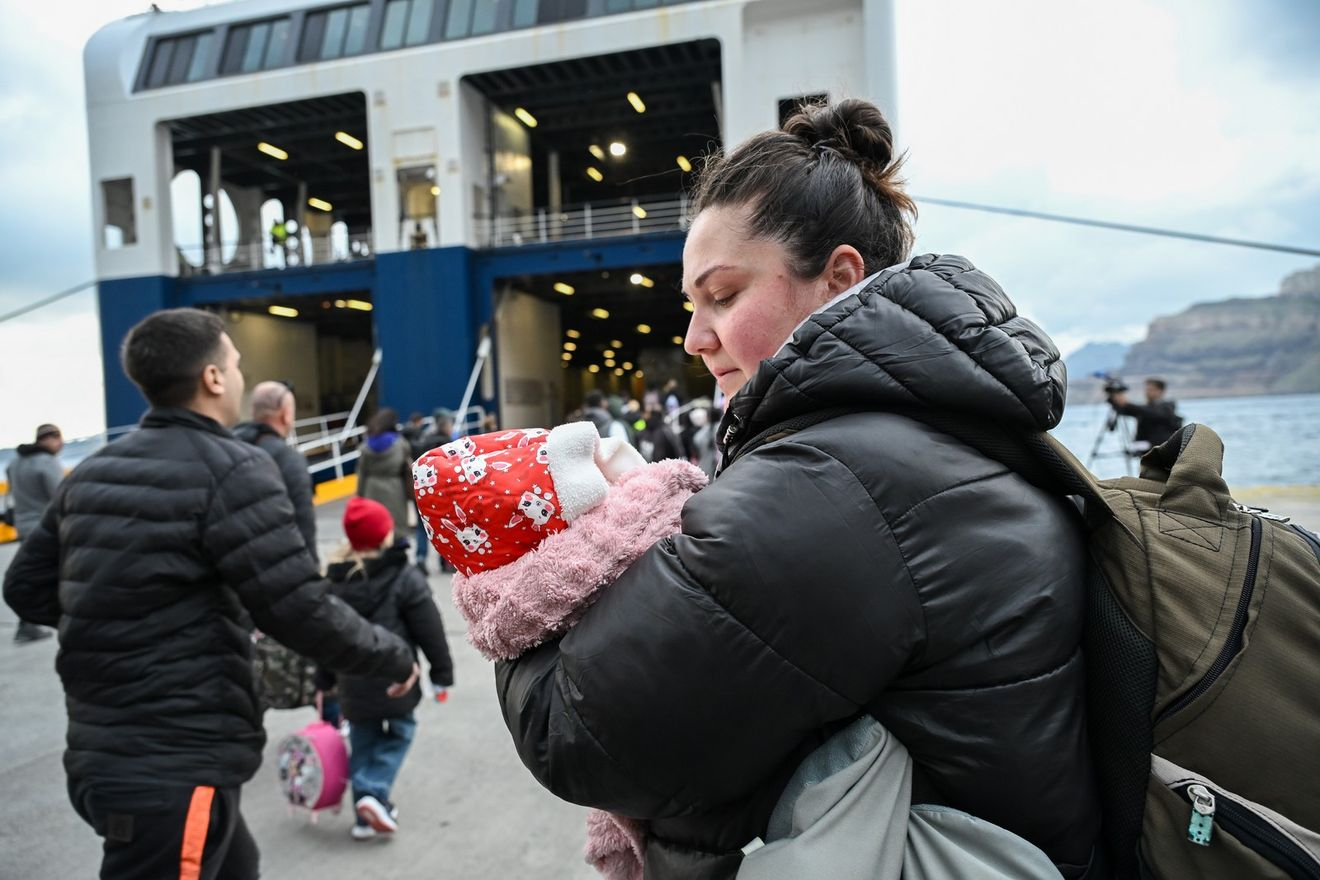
(1268,440)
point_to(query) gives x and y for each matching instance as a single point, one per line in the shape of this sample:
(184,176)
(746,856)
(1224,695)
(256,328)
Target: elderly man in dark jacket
(273,413)
(150,559)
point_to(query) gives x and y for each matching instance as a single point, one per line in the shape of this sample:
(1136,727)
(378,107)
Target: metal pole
(215,253)
(483,352)
(362,395)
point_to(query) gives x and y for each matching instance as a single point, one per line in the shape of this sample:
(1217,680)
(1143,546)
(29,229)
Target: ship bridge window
(178,60)
(483,18)
(460,19)
(257,46)
(407,23)
(524,13)
(335,33)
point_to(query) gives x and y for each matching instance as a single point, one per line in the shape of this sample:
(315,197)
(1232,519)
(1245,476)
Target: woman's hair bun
(854,129)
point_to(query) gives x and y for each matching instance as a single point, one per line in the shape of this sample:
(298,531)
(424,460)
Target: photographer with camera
(1157,420)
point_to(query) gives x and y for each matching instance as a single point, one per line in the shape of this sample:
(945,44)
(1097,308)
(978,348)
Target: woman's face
(745,300)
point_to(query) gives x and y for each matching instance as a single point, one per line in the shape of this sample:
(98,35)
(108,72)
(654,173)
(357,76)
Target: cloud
(52,372)
(1169,115)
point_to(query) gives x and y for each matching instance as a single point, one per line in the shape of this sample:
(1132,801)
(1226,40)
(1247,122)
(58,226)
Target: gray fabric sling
(847,813)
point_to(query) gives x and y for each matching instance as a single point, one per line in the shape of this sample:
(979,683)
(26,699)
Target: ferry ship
(429,181)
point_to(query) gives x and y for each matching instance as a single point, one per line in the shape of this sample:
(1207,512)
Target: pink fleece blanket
(543,593)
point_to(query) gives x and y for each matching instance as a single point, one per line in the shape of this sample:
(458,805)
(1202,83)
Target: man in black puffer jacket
(150,559)
(865,564)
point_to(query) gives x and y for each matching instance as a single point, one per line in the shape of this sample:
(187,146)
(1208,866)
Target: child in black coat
(373,576)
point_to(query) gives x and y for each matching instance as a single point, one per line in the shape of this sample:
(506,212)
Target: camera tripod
(1114,424)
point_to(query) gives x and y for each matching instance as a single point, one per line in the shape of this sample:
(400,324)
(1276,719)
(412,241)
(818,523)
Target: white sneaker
(374,813)
(363,832)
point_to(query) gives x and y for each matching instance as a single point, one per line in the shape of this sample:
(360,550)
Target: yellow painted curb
(334,490)
(7,533)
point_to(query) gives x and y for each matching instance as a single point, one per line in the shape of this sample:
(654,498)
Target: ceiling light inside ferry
(609,352)
(640,279)
(643,329)
(639,374)
(272,150)
(283,311)
(594,368)
(636,100)
(570,346)
(596,151)
(618,148)
(687,305)
(524,117)
(678,340)
(618,372)
(600,313)
(568,355)
(627,365)
(348,140)
(573,334)
(435,190)
(609,362)
(594,174)
(614,343)
(360,304)
(683,164)
(320,205)
(565,289)
(639,212)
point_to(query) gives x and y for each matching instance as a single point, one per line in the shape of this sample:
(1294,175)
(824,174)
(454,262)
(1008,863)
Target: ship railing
(587,221)
(266,253)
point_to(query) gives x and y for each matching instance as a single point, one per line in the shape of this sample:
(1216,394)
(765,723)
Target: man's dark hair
(1158,383)
(165,353)
(594,400)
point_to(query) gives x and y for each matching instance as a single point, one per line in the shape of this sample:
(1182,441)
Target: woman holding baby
(860,562)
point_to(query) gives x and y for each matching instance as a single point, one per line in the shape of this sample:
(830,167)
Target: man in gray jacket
(273,414)
(33,478)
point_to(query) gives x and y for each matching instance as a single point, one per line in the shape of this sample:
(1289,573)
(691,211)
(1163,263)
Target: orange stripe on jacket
(194,833)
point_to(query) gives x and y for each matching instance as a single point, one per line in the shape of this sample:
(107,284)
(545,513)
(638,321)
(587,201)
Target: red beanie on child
(367,523)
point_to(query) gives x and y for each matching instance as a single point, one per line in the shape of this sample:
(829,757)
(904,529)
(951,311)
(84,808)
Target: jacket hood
(361,589)
(936,333)
(248,432)
(26,449)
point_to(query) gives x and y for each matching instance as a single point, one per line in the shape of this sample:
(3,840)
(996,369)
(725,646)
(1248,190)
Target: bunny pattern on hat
(486,500)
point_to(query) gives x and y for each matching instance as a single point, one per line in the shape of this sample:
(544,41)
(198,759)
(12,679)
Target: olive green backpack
(1202,646)
(1203,654)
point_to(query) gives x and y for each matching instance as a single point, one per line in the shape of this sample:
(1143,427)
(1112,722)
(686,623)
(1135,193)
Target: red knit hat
(367,523)
(486,500)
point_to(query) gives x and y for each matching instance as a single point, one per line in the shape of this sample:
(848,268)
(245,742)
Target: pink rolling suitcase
(313,768)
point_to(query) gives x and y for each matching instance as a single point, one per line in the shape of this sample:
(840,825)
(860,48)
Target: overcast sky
(1199,115)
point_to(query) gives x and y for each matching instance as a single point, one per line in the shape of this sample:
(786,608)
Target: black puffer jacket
(292,465)
(388,591)
(866,564)
(147,560)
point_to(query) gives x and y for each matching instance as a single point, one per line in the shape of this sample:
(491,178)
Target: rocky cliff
(1267,345)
